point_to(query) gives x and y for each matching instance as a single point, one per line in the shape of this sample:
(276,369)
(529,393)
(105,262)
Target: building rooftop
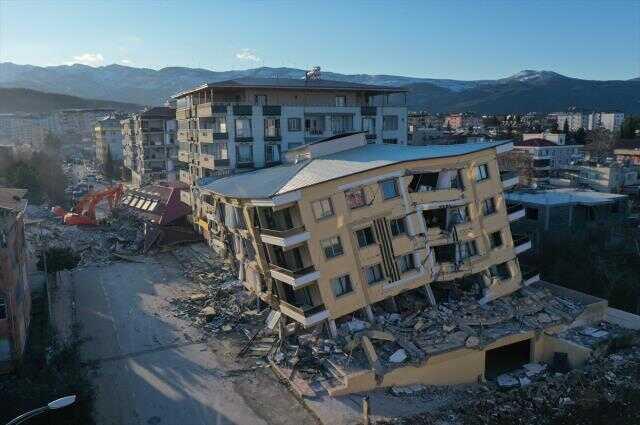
(293,84)
(264,183)
(565,196)
(534,143)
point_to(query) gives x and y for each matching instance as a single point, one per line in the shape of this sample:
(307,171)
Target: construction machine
(84,213)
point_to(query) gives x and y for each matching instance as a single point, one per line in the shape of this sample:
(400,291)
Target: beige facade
(326,250)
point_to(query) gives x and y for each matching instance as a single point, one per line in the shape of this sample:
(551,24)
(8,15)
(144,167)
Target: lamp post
(54,405)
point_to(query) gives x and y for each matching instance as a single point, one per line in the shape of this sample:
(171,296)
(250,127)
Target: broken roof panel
(264,183)
(564,196)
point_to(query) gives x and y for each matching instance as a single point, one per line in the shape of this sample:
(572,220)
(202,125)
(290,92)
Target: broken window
(445,253)
(322,208)
(482,172)
(355,198)
(468,249)
(501,271)
(495,239)
(435,218)
(459,215)
(488,206)
(423,182)
(3,308)
(341,285)
(365,237)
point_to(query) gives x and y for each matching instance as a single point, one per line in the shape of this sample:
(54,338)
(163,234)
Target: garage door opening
(506,358)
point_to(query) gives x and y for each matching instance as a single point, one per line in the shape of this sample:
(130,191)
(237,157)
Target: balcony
(307,315)
(212,161)
(183,113)
(521,243)
(185,177)
(211,136)
(515,212)
(183,156)
(529,275)
(435,196)
(285,237)
(509,179)
(296,277)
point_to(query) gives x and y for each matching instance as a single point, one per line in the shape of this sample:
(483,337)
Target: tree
(580,136)
(565,127)
(108,166)
(52,143)
(629,127)
(599,144)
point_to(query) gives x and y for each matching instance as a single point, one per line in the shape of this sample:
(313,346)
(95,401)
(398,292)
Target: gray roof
(268,182)
(293,83)
(564,196)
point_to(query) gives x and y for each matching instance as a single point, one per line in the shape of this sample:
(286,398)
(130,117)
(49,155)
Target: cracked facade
(346,226)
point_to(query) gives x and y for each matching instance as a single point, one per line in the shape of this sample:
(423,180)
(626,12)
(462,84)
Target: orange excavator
(84,213)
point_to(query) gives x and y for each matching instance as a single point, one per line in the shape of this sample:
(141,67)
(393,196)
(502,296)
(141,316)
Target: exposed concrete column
(369,312)
(333,329)
(430,296)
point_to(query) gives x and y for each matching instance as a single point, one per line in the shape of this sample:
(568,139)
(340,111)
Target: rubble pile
(221,302)
(605,390)
(119,236)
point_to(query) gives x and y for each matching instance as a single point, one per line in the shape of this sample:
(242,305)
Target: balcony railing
(306,310)
(283,233)
(293,272)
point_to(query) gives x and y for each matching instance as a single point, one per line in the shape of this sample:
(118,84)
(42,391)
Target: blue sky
(440,39)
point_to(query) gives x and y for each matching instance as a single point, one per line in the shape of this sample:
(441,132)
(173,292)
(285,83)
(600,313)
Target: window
(245,152)
(495,239)
(243,127)
(294,124)
(341,123)
(501,271)
(373,274)
(341,100)
(332,247)
(271,127)
(314,125)
(219,124)
(488,206)
(365,237)
(272,153)
(369,125)
(482,172)
(390,141)
(355,198)
(341,285)
(405,263)
(397,227)
(261,99)
(389,188)
(531,213)
(3,308)
(322,208)
(390,122)
(468,249)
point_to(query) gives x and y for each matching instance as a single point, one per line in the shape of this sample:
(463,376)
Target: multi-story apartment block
(611,178)
(574,120)
(248,123)
(150,150)
(345,225)
(15,291)
(77,121)
(590,121)
(107,135)
(20,129)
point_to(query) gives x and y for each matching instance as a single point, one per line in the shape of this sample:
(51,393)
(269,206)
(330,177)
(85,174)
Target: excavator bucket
(74,219)
(58,211)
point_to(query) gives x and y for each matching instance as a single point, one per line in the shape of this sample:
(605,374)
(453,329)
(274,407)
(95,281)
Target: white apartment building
(248,123)
(575,120)
(556,138)
(590,121)
(107,136)
(150,149)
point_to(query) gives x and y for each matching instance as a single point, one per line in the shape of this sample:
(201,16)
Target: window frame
(394,181)
(341,103)
(492,237)
(378,274)
(4,311)
(390,123)
(493,206)
(482,172)
(276,126)
(291,128)
(401,260)
(345,283)
(324,247)
(393,225)
(250,127)
(319,202)
(369,237)
(350,192)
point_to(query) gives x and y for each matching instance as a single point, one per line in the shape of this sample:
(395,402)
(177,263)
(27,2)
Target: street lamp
(54,405)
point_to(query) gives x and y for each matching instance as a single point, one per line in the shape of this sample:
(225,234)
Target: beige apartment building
(248,123)
(345,225)
(150,150)
(107,136)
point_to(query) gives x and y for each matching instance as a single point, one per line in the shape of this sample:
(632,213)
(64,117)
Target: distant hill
(26,100)
(526,91)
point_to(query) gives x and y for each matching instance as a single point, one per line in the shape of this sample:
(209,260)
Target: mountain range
(526,91)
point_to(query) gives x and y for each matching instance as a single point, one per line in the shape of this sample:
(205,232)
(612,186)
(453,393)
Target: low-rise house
(553,211)
(610,177)
(15,291)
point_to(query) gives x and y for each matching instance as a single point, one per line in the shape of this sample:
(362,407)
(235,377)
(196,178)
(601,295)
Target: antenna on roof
(313,74)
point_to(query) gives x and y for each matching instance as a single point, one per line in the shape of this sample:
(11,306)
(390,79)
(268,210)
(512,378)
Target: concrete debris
(472,341)
(533,369)
(410,390)
(398,357)
(507,380)
(356,325)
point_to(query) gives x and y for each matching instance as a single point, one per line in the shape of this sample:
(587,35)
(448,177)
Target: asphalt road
(154,368)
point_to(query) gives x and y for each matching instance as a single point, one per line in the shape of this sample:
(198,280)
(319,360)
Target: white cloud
(126,62)
(248,55)
(91,59)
